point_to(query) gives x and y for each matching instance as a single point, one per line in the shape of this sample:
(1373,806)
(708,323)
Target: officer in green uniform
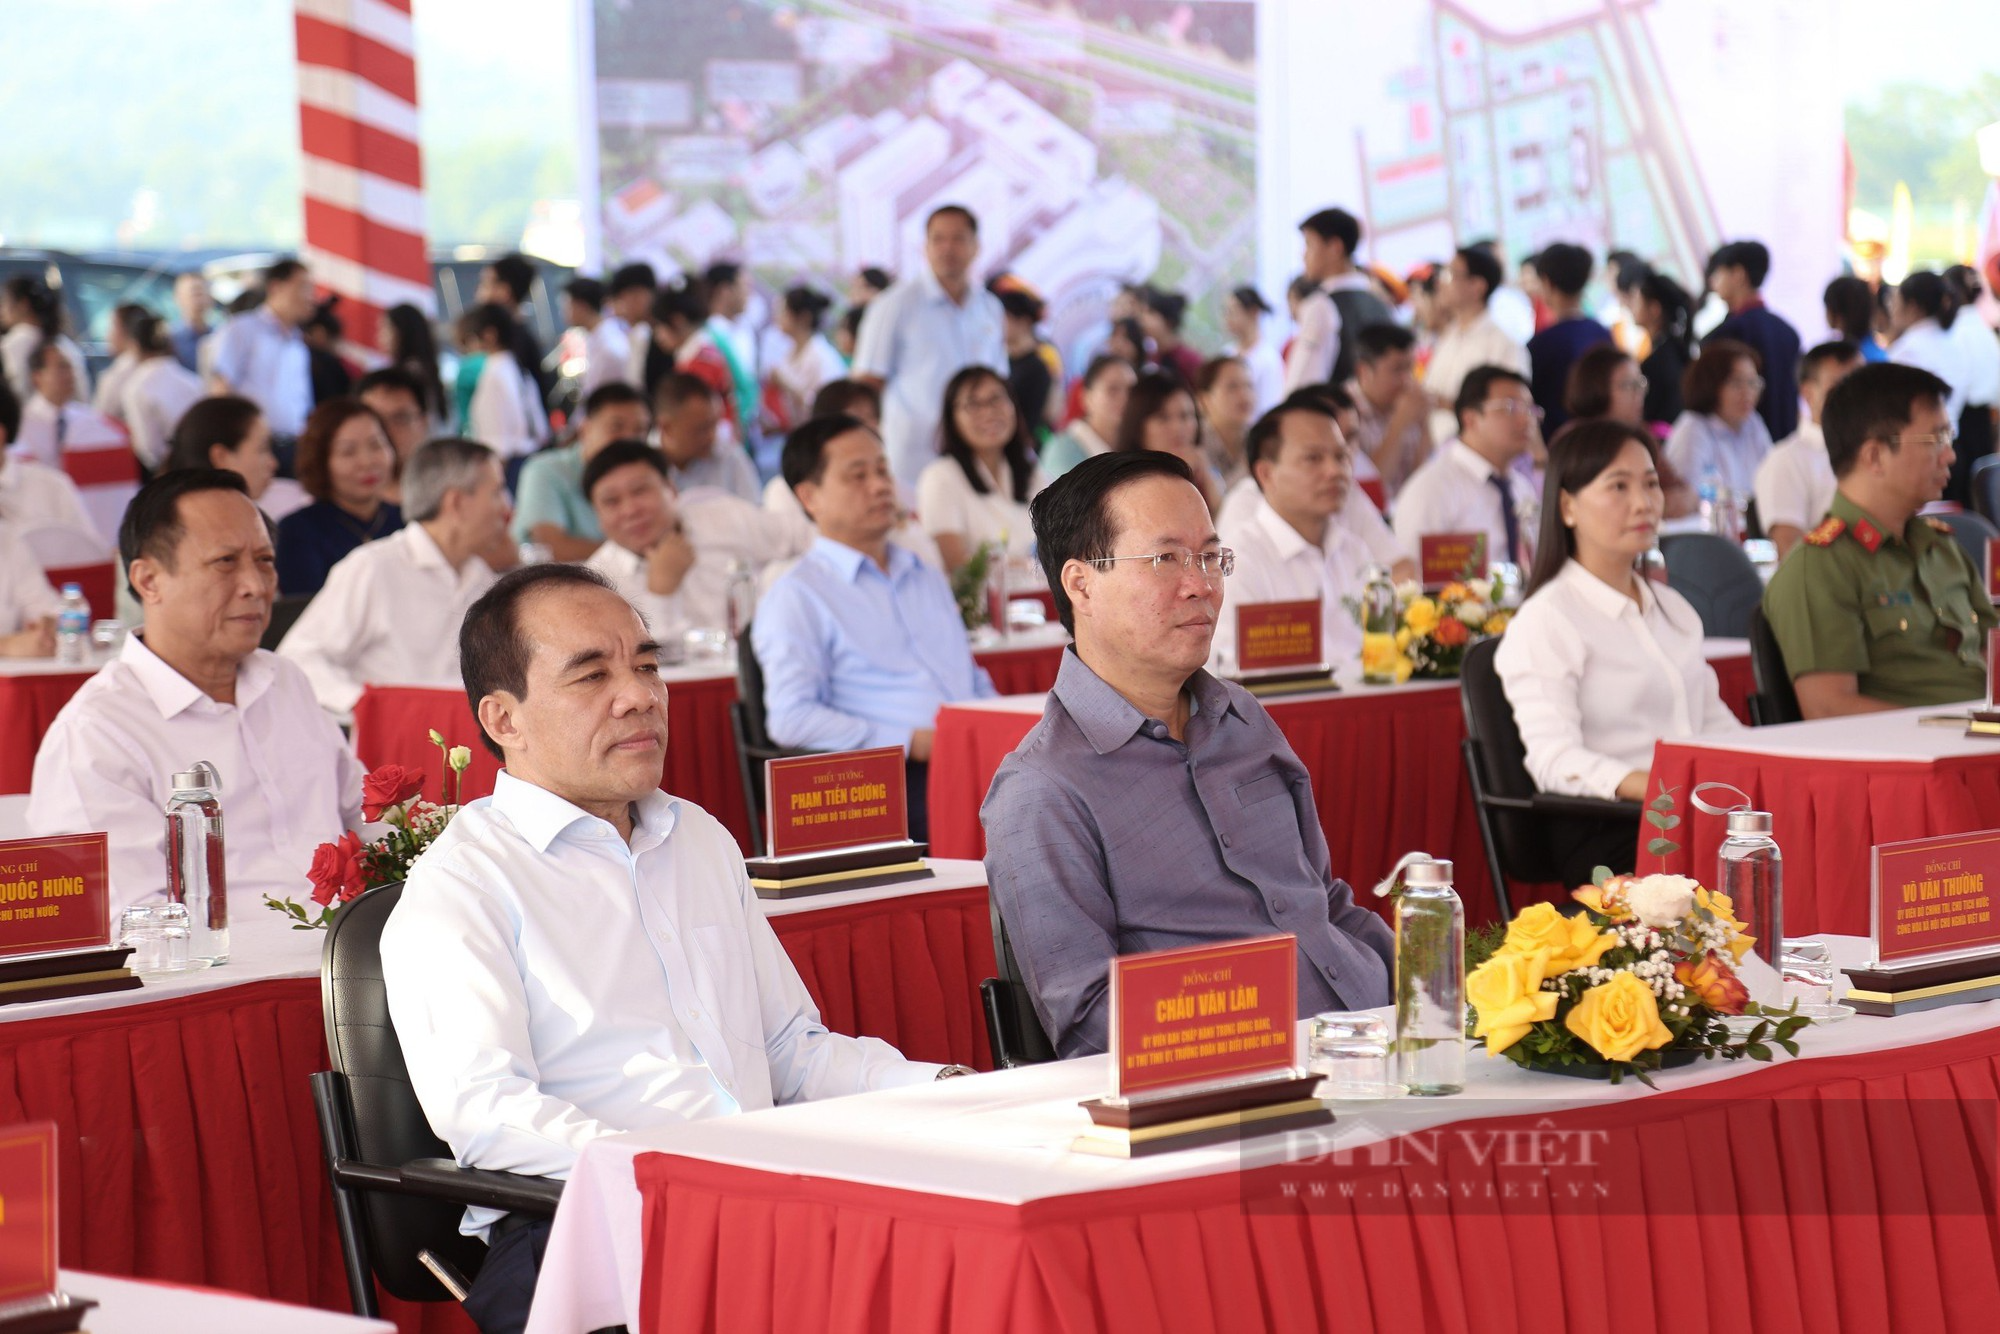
(1880,608)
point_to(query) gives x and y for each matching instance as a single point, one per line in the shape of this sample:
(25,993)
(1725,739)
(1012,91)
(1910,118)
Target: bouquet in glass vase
(1436,631)
(392,795)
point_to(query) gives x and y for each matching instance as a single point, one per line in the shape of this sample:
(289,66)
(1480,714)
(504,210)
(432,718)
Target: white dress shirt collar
(1287,539)
(1471,460)
(1602,597)
(852,562)
(541,817)
(173,694)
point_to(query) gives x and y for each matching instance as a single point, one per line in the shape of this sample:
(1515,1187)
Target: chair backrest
(750,690)
(97,579)
(1986,487)
(1973,532)
(1021,1039)
(388,1122)
(1777,701)
(1499,766)
(1716,578)
(285,612)
(64,544)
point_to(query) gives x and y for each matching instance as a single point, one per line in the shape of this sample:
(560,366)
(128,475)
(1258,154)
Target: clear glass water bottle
(1751,871)
(1430,981)
(73,626)
(1378,615)
(195,875)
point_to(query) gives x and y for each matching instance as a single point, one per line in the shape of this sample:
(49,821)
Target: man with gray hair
(390,609)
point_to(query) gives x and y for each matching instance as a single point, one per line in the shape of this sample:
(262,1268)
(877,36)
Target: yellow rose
(1569,942)
(1454,592)
(1506,995)
(1403,638)
(1421,616)
(1723,909)
(1378,654)
(1619,1019)
(1496,624)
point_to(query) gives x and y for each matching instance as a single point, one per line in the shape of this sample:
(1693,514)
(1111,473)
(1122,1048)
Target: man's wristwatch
(954,1071)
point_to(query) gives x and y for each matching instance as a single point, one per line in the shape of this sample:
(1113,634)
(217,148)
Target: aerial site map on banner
(812,137)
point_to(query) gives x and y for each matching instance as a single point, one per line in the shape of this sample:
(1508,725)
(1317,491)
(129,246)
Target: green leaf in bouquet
(1663,802)
(1661,847)
(1599,875)
(1758,1051)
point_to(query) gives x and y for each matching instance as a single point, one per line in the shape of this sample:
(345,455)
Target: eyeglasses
(1214,565)
(1513,407)
(984,402)
(1941,439)
(1636,383)
(1754,383)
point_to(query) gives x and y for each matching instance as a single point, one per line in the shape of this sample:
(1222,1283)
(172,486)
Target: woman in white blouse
(1601,663)
(1719,439)
(978,489)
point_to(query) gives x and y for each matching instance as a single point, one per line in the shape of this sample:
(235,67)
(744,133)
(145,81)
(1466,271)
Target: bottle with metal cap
(1751,871)
(195,875)
(1430,981)
(1378,615)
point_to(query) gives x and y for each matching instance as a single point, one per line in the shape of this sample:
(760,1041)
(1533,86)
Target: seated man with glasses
(1154,805)
(1880,608)
(1471,486)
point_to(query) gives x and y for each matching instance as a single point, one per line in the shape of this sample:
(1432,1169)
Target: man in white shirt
(1392,434)
(1342,303)
(390,609)
(33,494)
(626,299)
(1470,339)
(1290,544)
(580,954)
(1468,486)
(690,415)
(195,686)
(923,331)
(261,354)
(1795,482)
(29,604)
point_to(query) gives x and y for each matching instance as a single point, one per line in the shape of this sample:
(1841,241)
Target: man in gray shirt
(1155,806)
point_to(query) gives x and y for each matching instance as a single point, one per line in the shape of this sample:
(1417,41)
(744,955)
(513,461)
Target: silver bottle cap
(1427,873)
(1750,822)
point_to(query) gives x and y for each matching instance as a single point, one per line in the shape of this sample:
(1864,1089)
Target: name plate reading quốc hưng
(1935,929)
(55,920)
(1279,649)
(836,821)
(29,1297)
(1445,558)
(1204,1048)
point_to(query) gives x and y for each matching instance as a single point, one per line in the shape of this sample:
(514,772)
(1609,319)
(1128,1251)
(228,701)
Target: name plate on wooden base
(836,821)
(57,1313)
(1935,929)
(855,868)
(30,1302)
(1279,649)
(55,920)
(53,976)
(1887,992)
(1137,1129)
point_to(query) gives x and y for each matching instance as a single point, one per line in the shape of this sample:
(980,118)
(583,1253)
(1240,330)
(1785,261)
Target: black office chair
(1513,815)
(1986,487)
(1716,578)
(1776,700)
(284,613)
(397,1194)
(1012,1027)
(753,737)
(1973,533)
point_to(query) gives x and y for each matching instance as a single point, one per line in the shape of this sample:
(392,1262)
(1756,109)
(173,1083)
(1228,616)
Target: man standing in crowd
(194,305)
(1342,304)
(628,300)
(1155,806)
(728,288)
(923,331)
(261,354)
(1470,338)
(1392,427)
(1795,482)
(193,685)
(1565,271)
(1469,486)
(1736,273)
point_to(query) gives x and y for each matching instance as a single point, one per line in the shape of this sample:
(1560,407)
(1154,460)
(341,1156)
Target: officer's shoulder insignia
(1829,529)
(1938,525)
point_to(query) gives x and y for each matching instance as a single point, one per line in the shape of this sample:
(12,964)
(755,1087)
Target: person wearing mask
(1290,544)
(507,282)
(922,331)
(1392,435)
(193,684)
(1850,312)
(1469,486)
(196,307)
(1665,311)
(1243,312)
(977,491)
(551,506)
(1469,337)
(1880,608)
(1719,439)
(1340,305)
(1736,273)
(1606,383)
(1601,663)
(229,434)
(32,315)
(407,341)
(1034,371)
(1107,384)
(1161,416)
(1795,482)
(690,413)
(811,365)
(1564,270)
(390,610)
(345,464)
(1227,399)
(261,354)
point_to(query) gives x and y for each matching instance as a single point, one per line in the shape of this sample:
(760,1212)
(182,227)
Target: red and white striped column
(363,177)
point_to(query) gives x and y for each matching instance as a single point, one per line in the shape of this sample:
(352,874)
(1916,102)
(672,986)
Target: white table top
(131,1306)
(1004,1138)
(1899,736)
(93,659)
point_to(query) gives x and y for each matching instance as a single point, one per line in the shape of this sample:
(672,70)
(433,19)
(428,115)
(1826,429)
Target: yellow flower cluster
(1506,990)
(1421,616)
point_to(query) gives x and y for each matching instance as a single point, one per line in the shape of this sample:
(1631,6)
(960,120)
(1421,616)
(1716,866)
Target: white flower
(1408,591)
(1473,613)
(1661,900)
(1481,589)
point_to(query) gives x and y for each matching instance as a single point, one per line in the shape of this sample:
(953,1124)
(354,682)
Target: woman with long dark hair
(31,314)
(1601,663)
(1850,313)
(1666,312)
(407,340)
(977,490)
(1161,414)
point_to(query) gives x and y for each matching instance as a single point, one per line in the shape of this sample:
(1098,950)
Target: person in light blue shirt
(860,642)
(924,330)
(262,356)
(549,504)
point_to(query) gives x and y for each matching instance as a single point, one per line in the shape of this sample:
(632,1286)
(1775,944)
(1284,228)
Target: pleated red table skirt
(1847,1194)
(1826,815)
(28,704)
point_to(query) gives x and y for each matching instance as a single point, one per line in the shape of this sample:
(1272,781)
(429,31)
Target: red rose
(336,870)
(1451,633)
(390,785)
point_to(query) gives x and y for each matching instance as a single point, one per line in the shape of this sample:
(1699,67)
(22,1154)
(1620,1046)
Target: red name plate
(1446,557)
(27,1212)
(1993,570)
(1278,634)
(54,895)
(819,803)
(1205,1014)
(1936,896)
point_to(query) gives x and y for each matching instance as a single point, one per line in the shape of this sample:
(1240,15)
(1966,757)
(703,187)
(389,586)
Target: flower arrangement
(349,868)
(1434,632)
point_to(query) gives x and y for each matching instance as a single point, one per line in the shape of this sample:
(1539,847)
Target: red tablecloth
(188,1148)
(28,704)
(1826,815)
(1022,671)
(1852,1193)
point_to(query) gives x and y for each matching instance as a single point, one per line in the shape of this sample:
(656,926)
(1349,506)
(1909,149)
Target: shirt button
(1277,905)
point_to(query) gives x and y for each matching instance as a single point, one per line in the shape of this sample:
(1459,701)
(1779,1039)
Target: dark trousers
(1579,845)
(505,1288)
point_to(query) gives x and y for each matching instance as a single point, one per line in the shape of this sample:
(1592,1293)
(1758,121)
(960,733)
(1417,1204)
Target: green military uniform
(1906,615)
